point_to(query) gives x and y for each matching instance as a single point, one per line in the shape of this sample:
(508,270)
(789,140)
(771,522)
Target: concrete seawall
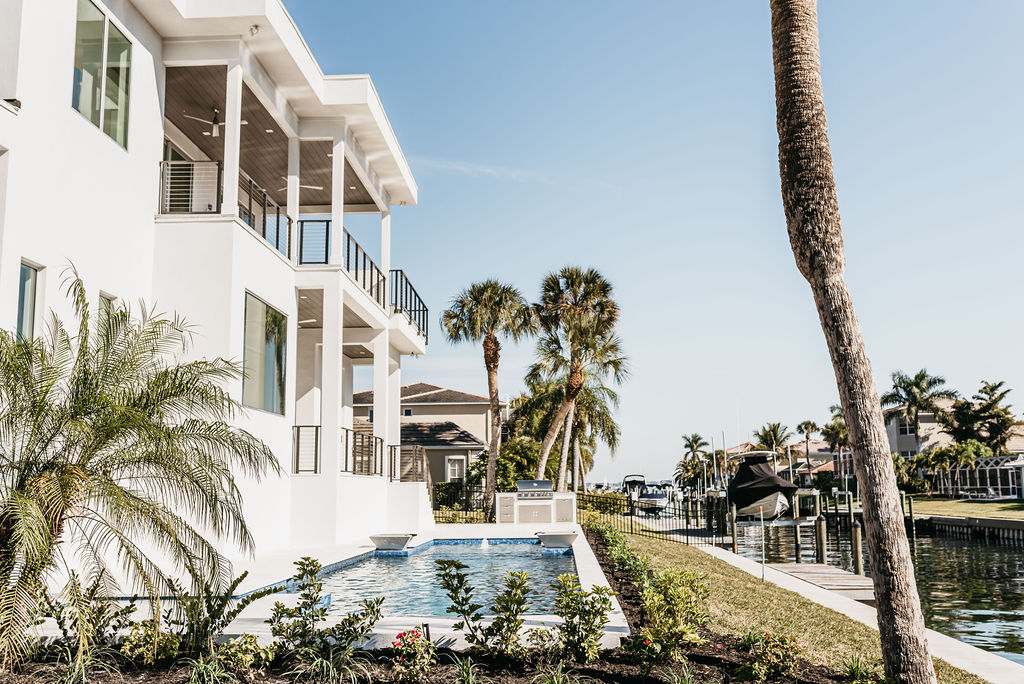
(990,529)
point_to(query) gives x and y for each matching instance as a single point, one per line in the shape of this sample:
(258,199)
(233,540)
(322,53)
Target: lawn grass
(738,602)
(968,508)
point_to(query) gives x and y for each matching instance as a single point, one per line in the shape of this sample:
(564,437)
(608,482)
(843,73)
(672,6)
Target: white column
(332,380)
(385,255)
(338,198)
(395,396)
(382,408)
(232,138)
(292,209)
(347,382)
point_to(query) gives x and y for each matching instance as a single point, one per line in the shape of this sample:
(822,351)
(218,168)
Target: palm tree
(695,449)
(577,315)
(486,312)
(815,235)
(112,448)
(773,437)
(917,393)
(807,428)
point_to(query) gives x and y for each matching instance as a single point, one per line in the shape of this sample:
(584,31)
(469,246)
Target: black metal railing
(315,237)
(696,521)
(263,214)
(361,453)
(305,449)
(405,299)
(188,187)
(457,502)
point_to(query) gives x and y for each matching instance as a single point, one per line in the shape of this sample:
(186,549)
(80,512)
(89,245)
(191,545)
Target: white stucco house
(193,154)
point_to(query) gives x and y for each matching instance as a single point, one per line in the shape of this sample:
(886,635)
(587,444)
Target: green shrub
(207,670)
(452,578)
(859,671)
(543,646)
(769,656)
(88,622)
(297,628)
(203,614)
(414,656)
(147,644)
(606,502)
(244,657)
(466,672)
(502,634)
(584,615)
(675,604)
(644,649)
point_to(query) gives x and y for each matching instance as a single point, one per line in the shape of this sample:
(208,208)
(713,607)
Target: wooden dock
(842,582)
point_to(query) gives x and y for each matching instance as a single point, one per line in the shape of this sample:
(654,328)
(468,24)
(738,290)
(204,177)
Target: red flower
(718,645)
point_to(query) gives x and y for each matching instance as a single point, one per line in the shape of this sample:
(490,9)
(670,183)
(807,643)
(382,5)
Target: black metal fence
(689,521)
(457,502)
(361,453)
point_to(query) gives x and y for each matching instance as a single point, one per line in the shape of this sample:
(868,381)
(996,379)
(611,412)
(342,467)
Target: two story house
(194,155)
(452,426)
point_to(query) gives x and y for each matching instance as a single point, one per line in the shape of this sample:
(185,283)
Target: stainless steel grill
(534,489)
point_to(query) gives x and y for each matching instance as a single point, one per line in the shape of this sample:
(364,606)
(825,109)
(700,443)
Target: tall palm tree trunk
(492,354)
(563,460)
(812,219)
(807,456)
(551,436)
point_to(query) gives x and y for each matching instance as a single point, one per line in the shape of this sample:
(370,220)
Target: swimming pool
(410,587)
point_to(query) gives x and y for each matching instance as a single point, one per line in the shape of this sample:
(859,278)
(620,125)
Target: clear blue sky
(639,138)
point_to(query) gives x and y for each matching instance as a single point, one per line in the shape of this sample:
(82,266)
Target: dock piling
(796,537)
(735,535)
(820,539)
(858,557)
(913,525)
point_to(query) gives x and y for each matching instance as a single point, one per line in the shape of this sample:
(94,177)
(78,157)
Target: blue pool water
(410,585)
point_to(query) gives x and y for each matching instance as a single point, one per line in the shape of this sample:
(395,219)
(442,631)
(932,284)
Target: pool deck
(987,665)
(276,568)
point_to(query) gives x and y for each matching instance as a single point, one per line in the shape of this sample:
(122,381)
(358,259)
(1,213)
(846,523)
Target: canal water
(970,589)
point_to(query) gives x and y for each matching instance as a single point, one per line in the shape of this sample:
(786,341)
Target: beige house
(452,426)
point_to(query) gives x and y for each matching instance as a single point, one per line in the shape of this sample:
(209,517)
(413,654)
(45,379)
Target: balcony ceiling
(196,91)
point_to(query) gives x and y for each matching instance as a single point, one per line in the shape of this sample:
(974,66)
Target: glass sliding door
(266,330)
(27,302)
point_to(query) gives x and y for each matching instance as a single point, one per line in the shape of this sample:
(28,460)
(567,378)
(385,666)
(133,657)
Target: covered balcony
(291,190)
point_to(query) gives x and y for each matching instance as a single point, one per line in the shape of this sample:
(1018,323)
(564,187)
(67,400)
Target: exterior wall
(73,194)
(69,194)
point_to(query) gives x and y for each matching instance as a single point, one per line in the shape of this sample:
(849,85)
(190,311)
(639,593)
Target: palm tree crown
(917,393)
(773,437)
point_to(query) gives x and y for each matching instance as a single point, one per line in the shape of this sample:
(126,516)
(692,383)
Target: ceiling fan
(214,125)
(307,187)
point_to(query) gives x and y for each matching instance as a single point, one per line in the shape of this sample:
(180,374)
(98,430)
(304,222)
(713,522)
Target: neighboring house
(901,434)
(453,426)
(194,155)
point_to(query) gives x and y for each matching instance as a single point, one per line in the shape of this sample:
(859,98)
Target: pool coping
(990,666)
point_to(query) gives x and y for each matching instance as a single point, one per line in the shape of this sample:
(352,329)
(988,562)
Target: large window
(27,302)
(103,56)
(266,330)
(907,428)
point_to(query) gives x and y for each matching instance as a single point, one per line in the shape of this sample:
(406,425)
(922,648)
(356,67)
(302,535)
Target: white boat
(771,506)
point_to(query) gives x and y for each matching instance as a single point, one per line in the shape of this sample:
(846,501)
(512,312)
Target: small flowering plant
(644,649)
(414,656)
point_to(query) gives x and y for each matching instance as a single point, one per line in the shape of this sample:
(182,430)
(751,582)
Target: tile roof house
(452,425)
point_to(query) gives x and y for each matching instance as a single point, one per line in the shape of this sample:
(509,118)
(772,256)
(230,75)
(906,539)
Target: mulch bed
(713,662)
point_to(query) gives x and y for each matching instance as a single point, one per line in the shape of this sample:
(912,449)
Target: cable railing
(306,449)
(188,187)
(315,248)
(408,463)
(263,214)
(405,300)
(361,453)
